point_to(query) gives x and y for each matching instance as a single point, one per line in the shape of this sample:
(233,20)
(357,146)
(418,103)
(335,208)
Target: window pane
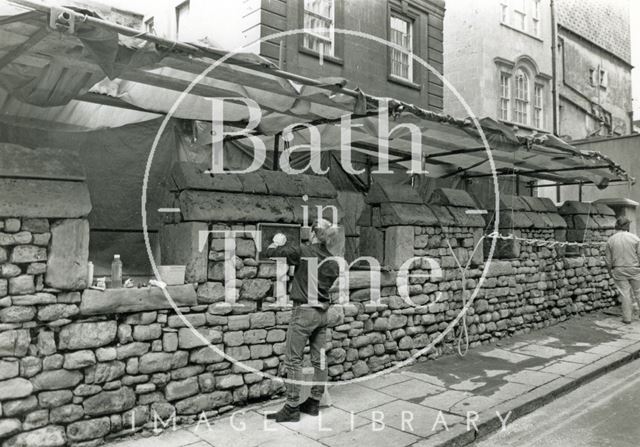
(319,19)
(401,35)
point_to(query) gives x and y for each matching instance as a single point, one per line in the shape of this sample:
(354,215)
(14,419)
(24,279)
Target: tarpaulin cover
(52,75)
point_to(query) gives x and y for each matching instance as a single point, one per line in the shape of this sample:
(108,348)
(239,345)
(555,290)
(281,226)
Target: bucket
(172,275)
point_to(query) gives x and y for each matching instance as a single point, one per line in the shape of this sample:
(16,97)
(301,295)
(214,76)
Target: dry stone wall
(80,366)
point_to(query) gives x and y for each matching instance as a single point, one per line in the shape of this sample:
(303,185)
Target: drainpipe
(554,68)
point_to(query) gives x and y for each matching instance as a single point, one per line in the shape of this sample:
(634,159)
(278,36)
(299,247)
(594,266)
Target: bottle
(116,272)
(89,274)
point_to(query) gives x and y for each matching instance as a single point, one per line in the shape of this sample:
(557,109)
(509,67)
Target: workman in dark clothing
(310,297)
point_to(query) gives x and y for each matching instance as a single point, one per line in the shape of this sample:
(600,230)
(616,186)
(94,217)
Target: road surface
(605,412)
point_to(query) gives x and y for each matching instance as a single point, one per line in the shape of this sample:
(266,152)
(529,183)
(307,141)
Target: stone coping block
(557,220)
(296,204)
(581,221)
(507,202)
(603,208)
(381,193)
(444,216)
(452,197)
(393,214)
(571,207)
(52,199)
(538,220)
(540,204)
(43,162)
(188,175)
(510,219)
(114,301)
(605,222)
(213,206)
(464,219)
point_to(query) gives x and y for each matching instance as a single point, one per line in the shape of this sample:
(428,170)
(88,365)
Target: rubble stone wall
(80,366)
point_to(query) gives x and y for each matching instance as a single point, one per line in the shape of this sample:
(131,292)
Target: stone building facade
(594,74)
(499,55)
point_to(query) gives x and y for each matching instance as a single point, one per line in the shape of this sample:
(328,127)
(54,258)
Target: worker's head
(622,223)
(324,231)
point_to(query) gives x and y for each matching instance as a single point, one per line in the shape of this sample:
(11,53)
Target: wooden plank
(44,198)
(41,163)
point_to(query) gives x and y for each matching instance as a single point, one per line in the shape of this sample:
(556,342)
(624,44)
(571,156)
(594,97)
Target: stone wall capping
(452,197)
(213,206)
(192,176)
(603,208)
(557,220)
(115,301)
(540,204)
(392,193)
(44,198)
(188,175)
(444,216)
(393,214)
(464,219)
(571,207)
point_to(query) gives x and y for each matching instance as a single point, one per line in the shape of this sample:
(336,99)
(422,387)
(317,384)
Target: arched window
(521,100)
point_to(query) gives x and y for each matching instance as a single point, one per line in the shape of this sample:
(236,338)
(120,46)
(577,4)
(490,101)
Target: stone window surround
(529,66)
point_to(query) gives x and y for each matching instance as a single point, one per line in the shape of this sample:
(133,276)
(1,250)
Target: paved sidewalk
(412,406)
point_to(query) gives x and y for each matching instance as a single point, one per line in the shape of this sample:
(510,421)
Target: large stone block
(87,335)
(109,402)
(208,206)
(68,255)
(540,204)
(394,193)
(371,242)
(574,207)
(96,302)
(394,214)
(398,245)
(179,246)
(464,218)
(188,175)
(44,198)
(452,197)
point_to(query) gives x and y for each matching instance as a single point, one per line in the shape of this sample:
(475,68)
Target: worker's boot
(285,414)
(310,406)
